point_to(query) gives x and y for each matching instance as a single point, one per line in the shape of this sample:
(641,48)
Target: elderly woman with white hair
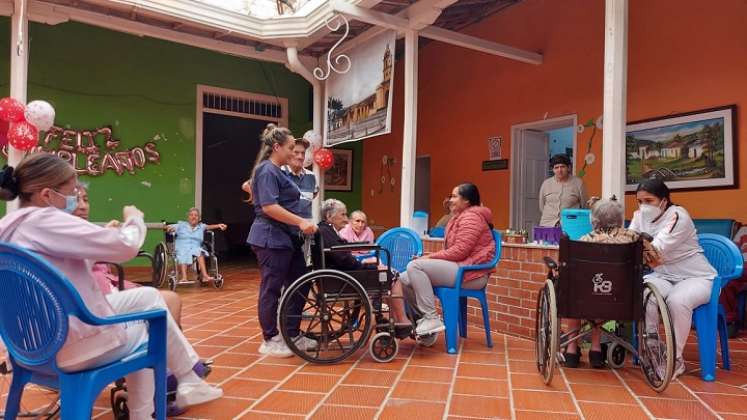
(189,237)
(607,220)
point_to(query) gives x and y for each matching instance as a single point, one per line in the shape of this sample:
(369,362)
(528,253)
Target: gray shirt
(555,196)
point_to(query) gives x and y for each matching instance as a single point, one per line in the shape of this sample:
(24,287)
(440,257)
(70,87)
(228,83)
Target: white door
(533,164)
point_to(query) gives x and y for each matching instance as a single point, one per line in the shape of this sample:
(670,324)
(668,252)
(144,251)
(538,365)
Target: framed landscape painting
(693,150)
(340,176)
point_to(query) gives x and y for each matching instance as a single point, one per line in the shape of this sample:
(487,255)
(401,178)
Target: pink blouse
(347,233)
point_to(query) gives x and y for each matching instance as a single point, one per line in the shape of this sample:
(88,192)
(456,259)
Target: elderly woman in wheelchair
(600,278)
(345,298)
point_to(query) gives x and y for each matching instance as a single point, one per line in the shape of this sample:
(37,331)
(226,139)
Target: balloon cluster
(20,124)
(316,153)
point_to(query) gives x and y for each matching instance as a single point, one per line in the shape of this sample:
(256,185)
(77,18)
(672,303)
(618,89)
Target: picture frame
(340,176)
(694,150)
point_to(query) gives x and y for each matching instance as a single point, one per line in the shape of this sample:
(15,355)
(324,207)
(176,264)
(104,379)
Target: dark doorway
(229,148)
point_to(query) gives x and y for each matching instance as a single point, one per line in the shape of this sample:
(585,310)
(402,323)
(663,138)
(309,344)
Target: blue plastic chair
(437,232)
(35,302)
(402,244)
(454,301)
(709,319)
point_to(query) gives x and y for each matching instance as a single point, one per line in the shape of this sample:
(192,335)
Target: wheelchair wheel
(213,271)
(120,410)
(547,331)
(616,356)
(383,347)
(656,342)
(331,308)
(160,265)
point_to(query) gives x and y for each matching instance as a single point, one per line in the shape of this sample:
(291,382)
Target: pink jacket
(469,240)
(347,233)
(73,245)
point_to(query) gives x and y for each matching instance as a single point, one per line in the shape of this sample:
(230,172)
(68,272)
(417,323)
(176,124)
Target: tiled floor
(427,383)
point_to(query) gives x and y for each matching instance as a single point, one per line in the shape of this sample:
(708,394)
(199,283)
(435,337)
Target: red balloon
(4,126)
(23,136)
(324,159)
(11,110)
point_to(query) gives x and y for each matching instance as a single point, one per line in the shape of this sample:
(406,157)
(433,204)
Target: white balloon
(314,138)
(40,114)
(308,158)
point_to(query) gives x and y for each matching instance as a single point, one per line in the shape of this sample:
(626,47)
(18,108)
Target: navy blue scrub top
(271,185)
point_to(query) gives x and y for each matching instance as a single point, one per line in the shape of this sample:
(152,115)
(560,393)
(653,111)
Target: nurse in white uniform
(681,273)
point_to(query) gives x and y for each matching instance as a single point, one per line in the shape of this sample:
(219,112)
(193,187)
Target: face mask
(71,202)
(649,213)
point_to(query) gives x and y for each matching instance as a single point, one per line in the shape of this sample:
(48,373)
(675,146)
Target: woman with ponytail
(46,187)
(276,237)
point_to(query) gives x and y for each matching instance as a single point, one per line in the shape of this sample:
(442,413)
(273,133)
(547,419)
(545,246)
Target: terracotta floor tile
(289,402)
(698,385)
(220,374)
(485,358)
(467,405)
(370,377)
(362,396)
(725,403)
(310,383)
(197,334)
(254,415)
(347,413)
(288,361)
(543,401)
(481,371)
(534,381)
(209,352)
(235,360)
(433,359)
(602,411)
(734,416)
(674,390)
(368,363)
(525,355)
(409,410)
(519,343)
(481,387)
(246,388)
(421,391)
(337,369)
(602,393)
(224,408)
(677,409)
(222,340)
(267,372)
(520,366)
(430,374)
(248,348)
(539,415)
(587,376)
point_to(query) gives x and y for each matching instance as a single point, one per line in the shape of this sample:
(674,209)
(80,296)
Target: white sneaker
(429,325)
(305,343)
(428,340)
(190,394)
(275,347)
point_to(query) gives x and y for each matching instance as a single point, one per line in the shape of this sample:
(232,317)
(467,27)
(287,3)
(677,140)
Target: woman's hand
(222,226)
(131,212)
(113,224)
(307,227)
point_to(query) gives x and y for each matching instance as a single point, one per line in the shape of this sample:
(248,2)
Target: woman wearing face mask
(681,272)
(46,188)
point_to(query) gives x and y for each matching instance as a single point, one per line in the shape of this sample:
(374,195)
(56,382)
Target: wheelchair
(340,310)
(598,281)
(165,265)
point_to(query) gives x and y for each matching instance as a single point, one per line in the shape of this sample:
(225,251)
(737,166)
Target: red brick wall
(512,289)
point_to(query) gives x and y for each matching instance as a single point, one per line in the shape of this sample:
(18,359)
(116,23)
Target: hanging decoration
(11,110)
(324,159)
(386,172)
(94,152)
(589,157)
(4,126)
(314,139)
(341,60)
(22,135)
(40,114)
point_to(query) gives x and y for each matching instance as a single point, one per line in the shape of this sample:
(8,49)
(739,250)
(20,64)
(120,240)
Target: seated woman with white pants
(46,188)
(468,241)
(683,275)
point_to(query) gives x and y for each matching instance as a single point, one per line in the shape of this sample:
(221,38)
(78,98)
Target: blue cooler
(575,222)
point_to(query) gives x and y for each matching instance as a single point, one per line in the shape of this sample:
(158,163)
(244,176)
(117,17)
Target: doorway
(532,146)
(423,184)
(229,124)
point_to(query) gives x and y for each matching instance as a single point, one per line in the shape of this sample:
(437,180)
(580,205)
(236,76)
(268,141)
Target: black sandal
(596,359)
(571,360)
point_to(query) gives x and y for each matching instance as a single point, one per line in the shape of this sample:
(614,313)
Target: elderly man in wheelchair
(599,279)
(345,300)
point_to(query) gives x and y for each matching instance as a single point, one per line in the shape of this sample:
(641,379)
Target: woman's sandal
(571,360)
(596,359)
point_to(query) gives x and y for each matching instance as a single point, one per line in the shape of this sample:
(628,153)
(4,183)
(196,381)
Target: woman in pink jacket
(469,241)
(46,188)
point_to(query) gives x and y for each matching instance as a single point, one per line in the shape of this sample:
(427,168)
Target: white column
(19,61)
(615,97)
(318,116)
(409,138)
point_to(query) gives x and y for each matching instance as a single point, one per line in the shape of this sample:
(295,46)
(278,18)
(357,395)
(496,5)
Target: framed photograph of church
(340,176)
(359,101)
(692,150)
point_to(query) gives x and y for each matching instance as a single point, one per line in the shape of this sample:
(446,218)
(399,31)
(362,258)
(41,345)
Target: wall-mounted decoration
(359,102)
(340,176)
(494,164)
(691,150)
(495,148)
(94,152)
